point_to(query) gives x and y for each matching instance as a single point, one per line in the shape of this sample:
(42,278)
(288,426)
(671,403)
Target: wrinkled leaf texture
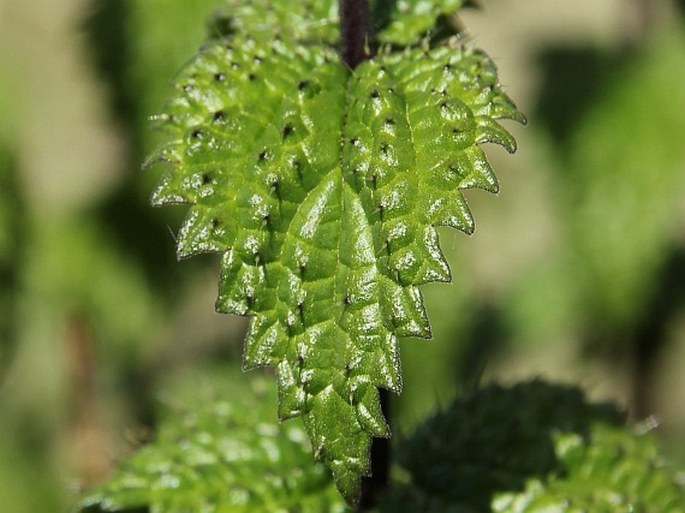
(322,189)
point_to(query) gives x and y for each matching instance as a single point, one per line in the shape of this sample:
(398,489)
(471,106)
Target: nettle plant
(320,146)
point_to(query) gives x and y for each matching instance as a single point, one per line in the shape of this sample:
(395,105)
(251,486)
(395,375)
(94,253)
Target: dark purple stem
(374,485)
(355,24)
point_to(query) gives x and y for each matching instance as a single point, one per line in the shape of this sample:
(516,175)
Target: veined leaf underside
(322,189)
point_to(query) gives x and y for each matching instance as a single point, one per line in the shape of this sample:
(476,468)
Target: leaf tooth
(450,208)
(502,107)
(405,307)
(166,153)
(378,364)
(369,411)
(389,365)
(291,395)
(241,288)
(167,192)
(435,267)
(477,172)
(265,342)
(202,232)
(489,131)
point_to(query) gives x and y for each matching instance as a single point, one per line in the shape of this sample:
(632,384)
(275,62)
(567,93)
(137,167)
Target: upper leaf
(323,188)
(404,22)
(400,23)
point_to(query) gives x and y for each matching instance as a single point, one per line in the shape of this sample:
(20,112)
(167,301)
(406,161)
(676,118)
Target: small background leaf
(219,449)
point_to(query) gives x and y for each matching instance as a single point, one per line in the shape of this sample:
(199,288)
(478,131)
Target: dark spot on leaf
(257,59)
(218,115)
(287,130)
(303,85)
(219,77)
(375,94)
(347,300)
(215,223)
(389,121)
(196,134)
(251,77)
(206,179)
(448,66)
(235,65)
(263,155)
(384,148)
(354,141)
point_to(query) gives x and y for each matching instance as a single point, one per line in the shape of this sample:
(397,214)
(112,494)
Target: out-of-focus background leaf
(575,272)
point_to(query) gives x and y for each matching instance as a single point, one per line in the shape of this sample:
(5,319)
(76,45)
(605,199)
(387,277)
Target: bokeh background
(576,271)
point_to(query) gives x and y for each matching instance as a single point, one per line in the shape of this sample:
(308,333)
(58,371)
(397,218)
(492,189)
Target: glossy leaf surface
(322,189)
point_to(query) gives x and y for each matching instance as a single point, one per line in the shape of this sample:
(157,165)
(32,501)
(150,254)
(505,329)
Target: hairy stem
(355,23)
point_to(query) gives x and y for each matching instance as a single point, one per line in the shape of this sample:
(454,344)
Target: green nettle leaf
(217,456)
(322,188)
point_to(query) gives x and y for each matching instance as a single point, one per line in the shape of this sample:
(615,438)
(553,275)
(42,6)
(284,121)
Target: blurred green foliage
(532,447)
(615,472)
(489,441)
